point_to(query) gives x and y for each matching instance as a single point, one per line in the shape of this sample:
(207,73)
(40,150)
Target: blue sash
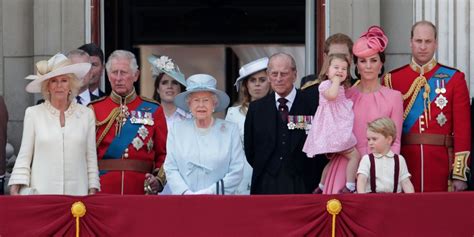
(127,134)
(418,107)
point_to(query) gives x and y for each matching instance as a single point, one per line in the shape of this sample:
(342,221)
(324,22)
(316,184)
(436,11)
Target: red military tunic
(148,147)
(436,136)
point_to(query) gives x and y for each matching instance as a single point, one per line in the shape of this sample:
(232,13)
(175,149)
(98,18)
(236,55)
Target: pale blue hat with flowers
(251,68)
(202,82)
(164,64)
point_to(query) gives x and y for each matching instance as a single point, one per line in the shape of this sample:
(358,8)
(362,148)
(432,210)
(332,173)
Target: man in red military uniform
(131,133)
(436,138)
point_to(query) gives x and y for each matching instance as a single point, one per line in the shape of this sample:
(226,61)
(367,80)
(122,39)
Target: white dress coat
(63,160)
(196,160)
(234,115)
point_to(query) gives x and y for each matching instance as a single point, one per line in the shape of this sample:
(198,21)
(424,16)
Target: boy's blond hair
(384,126)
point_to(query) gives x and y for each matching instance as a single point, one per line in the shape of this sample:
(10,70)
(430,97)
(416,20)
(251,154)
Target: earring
(70,92)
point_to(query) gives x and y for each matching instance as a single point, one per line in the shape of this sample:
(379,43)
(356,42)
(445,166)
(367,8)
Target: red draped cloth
(421,214)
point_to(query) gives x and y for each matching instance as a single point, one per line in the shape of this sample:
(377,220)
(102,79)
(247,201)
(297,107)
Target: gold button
(125,155)
(126,150)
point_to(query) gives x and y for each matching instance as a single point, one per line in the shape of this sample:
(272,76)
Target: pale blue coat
(197,160)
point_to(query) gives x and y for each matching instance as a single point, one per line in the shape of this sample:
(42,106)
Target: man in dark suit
(275,134)
(84,96)
(97,60)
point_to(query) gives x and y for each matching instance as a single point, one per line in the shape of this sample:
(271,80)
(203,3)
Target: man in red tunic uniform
(131,133)
(436,136)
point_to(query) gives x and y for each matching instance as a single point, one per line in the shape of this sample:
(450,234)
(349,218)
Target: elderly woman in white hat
(252,84)
(169,82)
(58,151)
(205,154)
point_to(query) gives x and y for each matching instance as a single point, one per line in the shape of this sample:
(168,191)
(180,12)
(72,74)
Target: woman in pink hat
(58,150)
(370,100)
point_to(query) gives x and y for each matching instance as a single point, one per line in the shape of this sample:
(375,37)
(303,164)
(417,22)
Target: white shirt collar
(290,97)
(95,92)
(85,97)
(390,154)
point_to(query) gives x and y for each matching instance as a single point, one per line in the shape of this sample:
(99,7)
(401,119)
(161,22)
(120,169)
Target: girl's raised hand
(336,79)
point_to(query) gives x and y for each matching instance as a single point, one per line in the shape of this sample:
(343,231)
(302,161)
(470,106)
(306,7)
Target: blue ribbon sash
(418,107)
(127,134)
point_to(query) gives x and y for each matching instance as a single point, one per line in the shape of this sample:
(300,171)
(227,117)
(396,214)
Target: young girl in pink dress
(331,130)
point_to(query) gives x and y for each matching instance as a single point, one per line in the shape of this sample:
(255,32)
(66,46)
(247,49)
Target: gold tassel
(334,207)
(78,210)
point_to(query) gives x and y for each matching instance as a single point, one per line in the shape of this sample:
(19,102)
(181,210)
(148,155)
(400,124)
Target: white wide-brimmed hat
(202,82)
(164,64)
(55,66)
(249,69)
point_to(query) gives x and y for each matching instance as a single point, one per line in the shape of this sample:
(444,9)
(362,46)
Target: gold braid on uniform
(388,80)
(415,88)
(110,119)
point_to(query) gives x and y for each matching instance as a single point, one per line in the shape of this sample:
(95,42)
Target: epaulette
(308,84)
(452,68)
(400,68)
(356,82)
(97,100)
(150,100)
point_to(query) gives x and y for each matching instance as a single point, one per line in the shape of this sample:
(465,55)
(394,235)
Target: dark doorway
(129,23)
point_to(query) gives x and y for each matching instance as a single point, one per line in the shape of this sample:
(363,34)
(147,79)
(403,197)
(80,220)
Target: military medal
(133,117)
(437,90)
(291,122)
(149,145)
(441,119)
(441,101)
(300,120)
(443,88)
(308,120)
(137,143)
(149,119)
(143,132)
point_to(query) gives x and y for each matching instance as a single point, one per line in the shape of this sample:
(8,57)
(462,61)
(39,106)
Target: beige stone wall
(31,30)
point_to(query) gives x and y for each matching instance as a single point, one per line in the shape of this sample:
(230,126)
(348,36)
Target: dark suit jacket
(260,139)
(101,94)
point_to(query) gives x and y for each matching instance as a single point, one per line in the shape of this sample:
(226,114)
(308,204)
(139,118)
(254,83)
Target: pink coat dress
(367,107)
(331,130)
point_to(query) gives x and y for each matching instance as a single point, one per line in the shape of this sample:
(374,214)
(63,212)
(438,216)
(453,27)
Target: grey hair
(282,55)
(77,52)
(122,54)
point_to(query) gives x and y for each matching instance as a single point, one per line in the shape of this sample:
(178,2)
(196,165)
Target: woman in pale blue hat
(169,82)
(252,84)
(204,154)
(58,151)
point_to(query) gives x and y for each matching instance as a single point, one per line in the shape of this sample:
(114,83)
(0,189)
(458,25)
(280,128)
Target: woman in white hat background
(169,82)
(204,154)
(58,150)
(252,84)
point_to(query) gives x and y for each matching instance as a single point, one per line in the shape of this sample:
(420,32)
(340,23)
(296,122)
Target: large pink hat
(371,42)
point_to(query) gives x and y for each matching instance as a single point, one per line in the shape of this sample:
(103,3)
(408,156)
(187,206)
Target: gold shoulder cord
(415,88)
(388,80)
(110,119)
